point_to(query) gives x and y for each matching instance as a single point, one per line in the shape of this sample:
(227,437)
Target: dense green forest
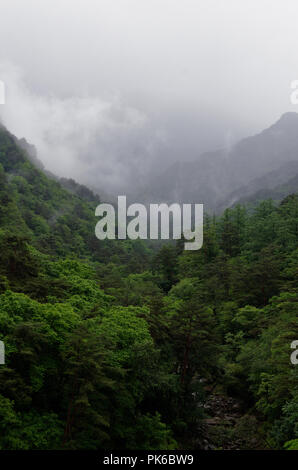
(127,345)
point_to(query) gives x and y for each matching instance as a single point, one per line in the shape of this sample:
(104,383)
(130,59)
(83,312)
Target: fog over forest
(113,93)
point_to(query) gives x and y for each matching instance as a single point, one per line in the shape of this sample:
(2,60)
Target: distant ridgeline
(263,165)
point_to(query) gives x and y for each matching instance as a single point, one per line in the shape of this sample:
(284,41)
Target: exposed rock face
(228,427)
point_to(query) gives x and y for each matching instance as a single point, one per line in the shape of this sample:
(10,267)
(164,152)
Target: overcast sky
(104,86)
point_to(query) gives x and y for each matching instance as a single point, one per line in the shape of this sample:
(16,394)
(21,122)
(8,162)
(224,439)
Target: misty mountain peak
(287,121)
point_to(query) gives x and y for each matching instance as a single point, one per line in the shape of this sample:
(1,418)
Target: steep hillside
(219,178)
(276,185)
(58,221)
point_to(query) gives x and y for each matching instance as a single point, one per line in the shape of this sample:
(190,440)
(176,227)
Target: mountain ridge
(215,176)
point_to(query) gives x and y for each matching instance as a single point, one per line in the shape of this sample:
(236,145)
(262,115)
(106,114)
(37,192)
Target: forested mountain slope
(220,178)
(276,193)
(114,345)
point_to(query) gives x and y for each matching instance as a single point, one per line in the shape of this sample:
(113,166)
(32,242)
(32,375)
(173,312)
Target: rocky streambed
(228,427)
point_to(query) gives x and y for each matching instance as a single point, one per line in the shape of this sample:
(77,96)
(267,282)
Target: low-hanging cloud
(105,144)
(162,81)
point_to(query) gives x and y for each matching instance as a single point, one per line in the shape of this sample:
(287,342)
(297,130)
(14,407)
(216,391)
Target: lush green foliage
(117,345)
